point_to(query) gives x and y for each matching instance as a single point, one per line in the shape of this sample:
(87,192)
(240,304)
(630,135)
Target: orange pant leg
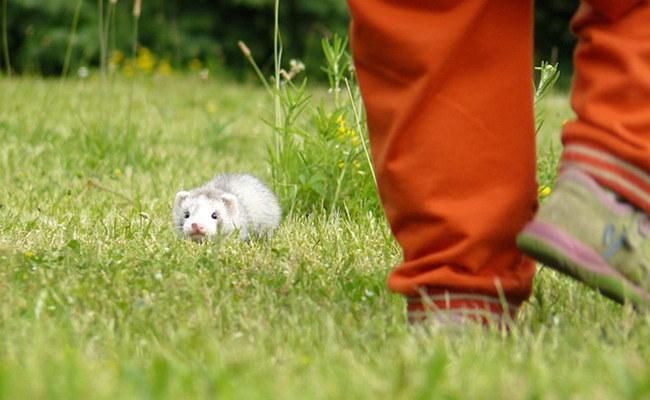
(613,9)
(447,87)
(610,139)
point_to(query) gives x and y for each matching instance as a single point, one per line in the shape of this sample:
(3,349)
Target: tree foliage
(208,30)
(553,39)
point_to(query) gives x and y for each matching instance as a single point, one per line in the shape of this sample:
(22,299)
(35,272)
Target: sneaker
(584,231)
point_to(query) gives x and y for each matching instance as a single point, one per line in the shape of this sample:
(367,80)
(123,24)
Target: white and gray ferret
(227,203)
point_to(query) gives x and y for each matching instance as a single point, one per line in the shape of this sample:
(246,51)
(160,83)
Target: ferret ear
(231,203)
(180,196)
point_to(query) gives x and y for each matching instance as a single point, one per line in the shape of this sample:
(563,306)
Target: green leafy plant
(546,163)
(549,74)
(319,159)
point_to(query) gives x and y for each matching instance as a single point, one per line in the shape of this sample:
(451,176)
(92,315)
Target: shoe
(584,231)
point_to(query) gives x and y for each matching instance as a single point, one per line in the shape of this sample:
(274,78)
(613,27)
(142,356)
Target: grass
(99,300)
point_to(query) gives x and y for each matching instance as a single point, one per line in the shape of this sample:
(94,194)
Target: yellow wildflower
(544,191)
(164,68)
(195,64)
(145,63)
(117,56)
(117,172)
(29,254)
(354,136)
(211,108)
(128,71)
(115,59)
(144,52)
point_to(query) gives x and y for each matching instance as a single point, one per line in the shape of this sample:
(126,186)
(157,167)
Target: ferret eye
(214,215)
(187,214)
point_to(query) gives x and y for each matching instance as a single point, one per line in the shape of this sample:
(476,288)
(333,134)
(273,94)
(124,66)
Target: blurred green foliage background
(182,31)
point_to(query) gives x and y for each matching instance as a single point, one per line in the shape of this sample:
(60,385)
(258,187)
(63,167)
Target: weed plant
(547,155)
(319,159)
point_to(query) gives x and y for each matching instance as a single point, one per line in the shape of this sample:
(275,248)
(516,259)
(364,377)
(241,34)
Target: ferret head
(201,215)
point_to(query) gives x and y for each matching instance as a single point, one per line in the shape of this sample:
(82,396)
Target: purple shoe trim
(578,253)
(574,174)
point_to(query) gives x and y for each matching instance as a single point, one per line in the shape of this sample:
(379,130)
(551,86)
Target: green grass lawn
(99,300)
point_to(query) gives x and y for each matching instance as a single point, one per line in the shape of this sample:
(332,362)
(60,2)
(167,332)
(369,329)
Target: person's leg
(610,139)
(448,95)
(583,230)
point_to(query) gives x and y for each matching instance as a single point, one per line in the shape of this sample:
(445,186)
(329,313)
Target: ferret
(227,203)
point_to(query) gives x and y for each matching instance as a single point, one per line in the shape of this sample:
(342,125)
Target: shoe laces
(644,226)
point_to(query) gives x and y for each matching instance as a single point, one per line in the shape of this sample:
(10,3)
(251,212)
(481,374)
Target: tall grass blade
(134,51)
(5,41)
(277,59)
(357,121)
(71,40)
(102,41)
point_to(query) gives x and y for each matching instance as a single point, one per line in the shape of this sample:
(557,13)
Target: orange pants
(448,95)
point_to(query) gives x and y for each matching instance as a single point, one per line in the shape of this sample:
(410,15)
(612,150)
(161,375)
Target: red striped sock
(626,180)
(460,308)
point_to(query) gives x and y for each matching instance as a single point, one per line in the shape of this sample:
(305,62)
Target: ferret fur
(227,203)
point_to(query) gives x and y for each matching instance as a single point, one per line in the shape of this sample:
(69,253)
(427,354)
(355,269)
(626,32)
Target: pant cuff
(460,308)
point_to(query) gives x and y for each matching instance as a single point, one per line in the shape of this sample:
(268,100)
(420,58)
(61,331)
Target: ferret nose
(197,227)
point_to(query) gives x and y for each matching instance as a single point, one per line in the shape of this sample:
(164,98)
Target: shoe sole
(562,252)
